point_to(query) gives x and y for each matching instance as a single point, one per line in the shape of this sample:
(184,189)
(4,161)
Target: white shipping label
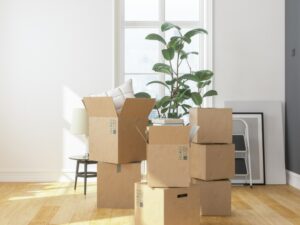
(139,198)
(183,153)
(113,126)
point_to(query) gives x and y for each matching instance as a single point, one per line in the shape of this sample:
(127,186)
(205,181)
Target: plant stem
(187,61)
(172,86)
(158,112)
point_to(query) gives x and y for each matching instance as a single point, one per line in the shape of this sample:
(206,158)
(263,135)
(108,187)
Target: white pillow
(119,94)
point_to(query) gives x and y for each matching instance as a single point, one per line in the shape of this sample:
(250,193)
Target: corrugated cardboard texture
(166,206)
(168,165)
(215,125)
(100,106)
(116,185)
(137,108)
(167,156)
(212,162)
(114,138)
(165,135)
(132,146)
(103,139)
(215,197)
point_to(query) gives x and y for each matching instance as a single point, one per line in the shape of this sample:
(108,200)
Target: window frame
(205,21)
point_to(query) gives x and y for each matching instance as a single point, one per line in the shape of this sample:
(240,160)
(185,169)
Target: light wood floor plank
(59,204)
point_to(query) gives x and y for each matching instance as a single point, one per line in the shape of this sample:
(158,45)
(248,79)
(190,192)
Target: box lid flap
(169,134)
(137,108)
(100,106)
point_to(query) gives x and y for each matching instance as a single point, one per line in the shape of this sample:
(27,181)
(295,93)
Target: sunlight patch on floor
(47,191)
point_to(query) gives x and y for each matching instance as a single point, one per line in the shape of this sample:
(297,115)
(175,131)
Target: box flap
(137,108)
(100,106)
(169,134)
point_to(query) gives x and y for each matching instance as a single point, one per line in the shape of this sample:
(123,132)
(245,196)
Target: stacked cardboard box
(168,197)
(212,159)
(114,141)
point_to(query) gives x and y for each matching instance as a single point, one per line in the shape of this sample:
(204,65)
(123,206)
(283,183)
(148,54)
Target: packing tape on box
(183,153)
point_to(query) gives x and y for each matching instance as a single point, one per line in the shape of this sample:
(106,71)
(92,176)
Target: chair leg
(76,174)
(85,176)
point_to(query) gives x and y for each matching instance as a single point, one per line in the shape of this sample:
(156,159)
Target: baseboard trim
(36,176)
(293,179)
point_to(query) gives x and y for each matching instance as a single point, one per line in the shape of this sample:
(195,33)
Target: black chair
(85,174)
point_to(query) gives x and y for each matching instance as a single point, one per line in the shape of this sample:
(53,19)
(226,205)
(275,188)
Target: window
(138,18)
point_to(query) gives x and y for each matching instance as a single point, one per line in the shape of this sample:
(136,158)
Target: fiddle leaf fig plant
(178,84)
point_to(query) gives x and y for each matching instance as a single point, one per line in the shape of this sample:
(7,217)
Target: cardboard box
(215,197)
(113,137)
(212,162)
(116,185)
(215,125)
(167,156)
(166,206)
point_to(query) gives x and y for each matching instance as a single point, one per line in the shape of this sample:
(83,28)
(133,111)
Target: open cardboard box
(113,137)
(168,156)
(166,206)
(215,125)
(212,161)
(115,185)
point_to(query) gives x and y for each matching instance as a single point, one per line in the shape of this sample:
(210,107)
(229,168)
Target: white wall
(51,54)
(249,50)
(54,52)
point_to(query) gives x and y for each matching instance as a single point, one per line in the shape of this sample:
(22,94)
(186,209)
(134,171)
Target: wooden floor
(39,204)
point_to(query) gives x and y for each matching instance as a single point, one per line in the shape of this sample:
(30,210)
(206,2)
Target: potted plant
(176,103)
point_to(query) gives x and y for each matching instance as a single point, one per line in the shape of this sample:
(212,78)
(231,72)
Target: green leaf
(197,99)
(142,95)
(173,115)
(203,84)
(179,47)
(182,84)
(168,53)
(186,106)
(193,32)
(157,105)
(171,82)
(184,55)
(174,106)
(164,110)
(190,77)
(181,97)
(210,93)
(156,37)
(204,75)
(159,82)
(165,101)
(184,91)
(162,68)
(174,41)
(167,26)
(187,39)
